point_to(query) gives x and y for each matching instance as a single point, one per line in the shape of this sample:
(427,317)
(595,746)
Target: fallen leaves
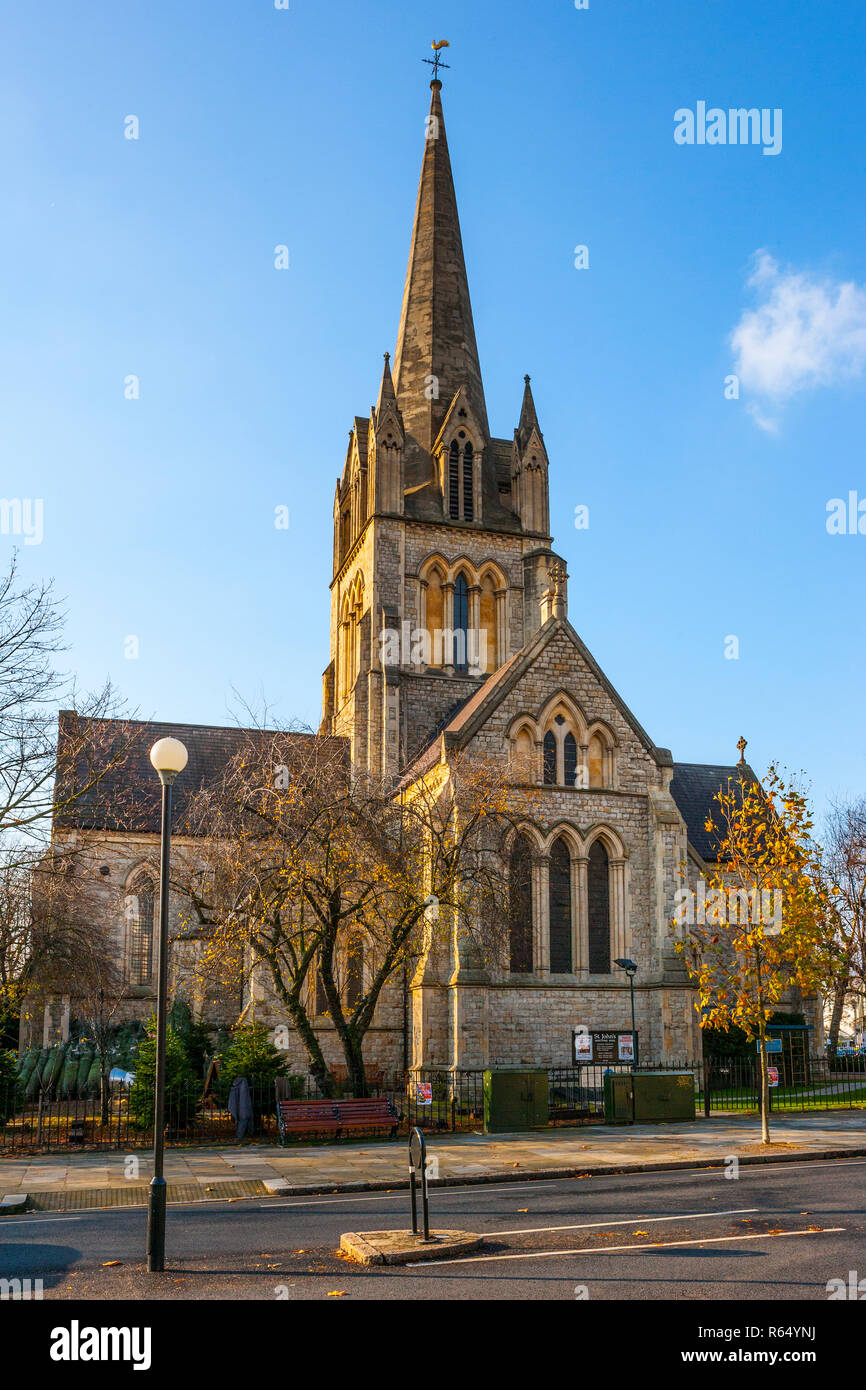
(106,1264)
(336,1293)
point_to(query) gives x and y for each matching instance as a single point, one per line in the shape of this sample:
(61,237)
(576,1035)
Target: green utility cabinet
(617,1097)
(515,1100)
(658,1095)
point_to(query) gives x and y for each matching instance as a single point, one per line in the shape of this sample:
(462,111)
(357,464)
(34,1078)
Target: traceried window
(549,759)
(523,757)
(569,755)
(560,909)
(520,907)
(354,970)
(596,761)
(141,904)
(461,622)
(598,894)
(489,655)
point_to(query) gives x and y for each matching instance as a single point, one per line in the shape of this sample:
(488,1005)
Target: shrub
(11,1092)
(251,1053)
(181,1087)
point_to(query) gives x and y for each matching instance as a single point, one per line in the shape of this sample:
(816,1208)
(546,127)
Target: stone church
(450,631)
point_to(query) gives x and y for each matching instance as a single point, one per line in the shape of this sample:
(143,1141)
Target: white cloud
(805,332)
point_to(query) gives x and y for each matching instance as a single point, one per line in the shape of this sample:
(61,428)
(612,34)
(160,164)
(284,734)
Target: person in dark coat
(241,1106)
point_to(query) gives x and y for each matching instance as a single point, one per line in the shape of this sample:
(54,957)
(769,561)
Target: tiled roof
(128,797)
(694,787)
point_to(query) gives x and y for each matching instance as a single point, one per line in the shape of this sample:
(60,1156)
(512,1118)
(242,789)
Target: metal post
(706,1088)
(425,1204)
(633,1046)
(418,1159)
(156,1210)
(414,1196)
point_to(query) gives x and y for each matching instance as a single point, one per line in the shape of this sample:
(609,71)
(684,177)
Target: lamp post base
(156,1226)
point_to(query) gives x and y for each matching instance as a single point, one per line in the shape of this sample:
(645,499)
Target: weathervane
(436,63)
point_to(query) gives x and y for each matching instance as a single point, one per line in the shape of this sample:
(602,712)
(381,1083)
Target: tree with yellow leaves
(765,922)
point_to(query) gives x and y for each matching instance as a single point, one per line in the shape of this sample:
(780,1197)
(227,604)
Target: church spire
(436,349)
(528,416)
(386,389)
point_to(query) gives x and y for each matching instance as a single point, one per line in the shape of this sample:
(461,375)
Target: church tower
(442,552)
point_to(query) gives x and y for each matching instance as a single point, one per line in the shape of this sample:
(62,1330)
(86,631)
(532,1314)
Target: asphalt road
(778,1232)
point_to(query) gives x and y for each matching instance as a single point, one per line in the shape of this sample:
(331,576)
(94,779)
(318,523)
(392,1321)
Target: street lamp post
(168,756)
(631,970)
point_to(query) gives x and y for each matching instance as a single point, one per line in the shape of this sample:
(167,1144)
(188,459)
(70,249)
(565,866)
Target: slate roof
(694,787)
(128,798)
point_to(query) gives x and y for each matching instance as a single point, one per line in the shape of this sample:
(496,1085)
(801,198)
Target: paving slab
(458,1157)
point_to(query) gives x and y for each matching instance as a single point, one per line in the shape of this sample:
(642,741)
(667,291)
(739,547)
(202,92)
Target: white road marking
(630,1221)
(38,1220)
(614,1249)
(400,1192)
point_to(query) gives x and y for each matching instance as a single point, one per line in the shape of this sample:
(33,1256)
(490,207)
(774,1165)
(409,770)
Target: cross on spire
(741,744)
(436,61)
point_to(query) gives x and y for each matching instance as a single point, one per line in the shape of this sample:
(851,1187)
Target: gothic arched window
(141,931)
(454,481)
(354,969)
(461,622)
(560,909)
(435,621)
(520,907)
(596,761)
(598,893)
(490,656)
(549,759)
(569,754)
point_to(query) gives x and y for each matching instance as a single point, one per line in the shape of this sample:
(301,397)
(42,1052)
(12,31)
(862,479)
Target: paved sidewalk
(243,1170)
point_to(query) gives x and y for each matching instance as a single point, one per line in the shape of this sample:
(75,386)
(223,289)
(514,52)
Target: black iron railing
(433,1100)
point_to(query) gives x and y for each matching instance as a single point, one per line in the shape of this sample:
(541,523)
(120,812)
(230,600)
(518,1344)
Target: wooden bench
(367,1114)
(334,1116)
(307,1117)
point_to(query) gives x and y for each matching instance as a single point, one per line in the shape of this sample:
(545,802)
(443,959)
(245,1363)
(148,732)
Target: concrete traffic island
(404,1247)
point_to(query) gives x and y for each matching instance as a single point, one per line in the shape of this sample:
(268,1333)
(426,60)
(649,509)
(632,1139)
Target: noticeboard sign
(773,1076)
(424,1093)
(773,1045)
(604,1047)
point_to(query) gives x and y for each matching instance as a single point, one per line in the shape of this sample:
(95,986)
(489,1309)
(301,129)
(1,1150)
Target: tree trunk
(318,1067)
(104,1096)
(355,1065)
(765,1096)
(839,995)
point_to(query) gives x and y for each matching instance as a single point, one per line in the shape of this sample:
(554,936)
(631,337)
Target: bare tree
(38,782)
(844,866)
(332,881)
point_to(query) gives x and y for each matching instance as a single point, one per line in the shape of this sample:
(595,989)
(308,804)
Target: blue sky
(304,127)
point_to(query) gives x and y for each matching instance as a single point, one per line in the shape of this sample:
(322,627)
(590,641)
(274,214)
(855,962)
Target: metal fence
(806,1083)
(47,1122)
(436,1101)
